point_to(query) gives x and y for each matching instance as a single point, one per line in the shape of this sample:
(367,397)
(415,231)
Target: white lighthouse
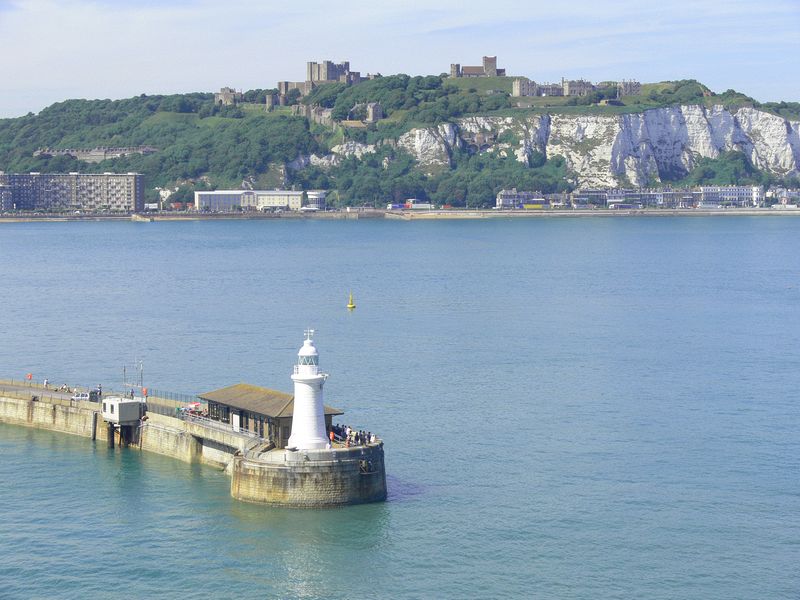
(308,419)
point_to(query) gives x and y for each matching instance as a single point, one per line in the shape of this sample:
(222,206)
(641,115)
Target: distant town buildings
(487,69)
(316,199)
(263,200)
(731,195)
(522,86)
(59,192)
(734,196)
(784,197)
(95,155)
(724,196)
(228,97)
(509,199)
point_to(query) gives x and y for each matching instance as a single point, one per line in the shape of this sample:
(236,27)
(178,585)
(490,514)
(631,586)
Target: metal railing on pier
(175,396)
(162,408)
(218,425)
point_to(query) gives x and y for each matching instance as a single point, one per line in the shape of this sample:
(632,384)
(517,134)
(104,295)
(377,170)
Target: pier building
(258,410)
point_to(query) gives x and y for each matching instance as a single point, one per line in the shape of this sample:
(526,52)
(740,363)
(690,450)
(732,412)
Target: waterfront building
(6,198)
(743,196)
(619,198)
(778,195)
(510,199)
(731,195)
(667,198)
(589,197)
(316,199)
(62,192)
(230,200)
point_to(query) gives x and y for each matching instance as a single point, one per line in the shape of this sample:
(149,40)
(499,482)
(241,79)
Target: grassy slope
(482,84)
(218,145)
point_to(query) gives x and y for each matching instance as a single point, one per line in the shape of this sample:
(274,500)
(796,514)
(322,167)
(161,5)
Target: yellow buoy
(351,304)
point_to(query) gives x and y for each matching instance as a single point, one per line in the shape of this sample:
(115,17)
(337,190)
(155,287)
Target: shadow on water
(400,490)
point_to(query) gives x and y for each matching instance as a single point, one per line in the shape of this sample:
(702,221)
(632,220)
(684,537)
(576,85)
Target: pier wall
(165,435)
(160,434)
(75,420)
(312,478)
(309,478)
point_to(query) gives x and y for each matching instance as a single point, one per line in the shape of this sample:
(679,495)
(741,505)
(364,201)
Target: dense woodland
(202,145)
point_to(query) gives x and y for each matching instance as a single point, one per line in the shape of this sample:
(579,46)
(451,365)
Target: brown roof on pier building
(260,400)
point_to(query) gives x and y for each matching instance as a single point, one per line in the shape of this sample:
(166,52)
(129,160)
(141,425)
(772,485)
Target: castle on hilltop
(487,69)
(317,73)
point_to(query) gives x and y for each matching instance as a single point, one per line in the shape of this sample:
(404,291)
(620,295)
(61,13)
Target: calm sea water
(588,408)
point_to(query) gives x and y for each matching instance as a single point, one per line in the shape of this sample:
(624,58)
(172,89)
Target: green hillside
(202,145)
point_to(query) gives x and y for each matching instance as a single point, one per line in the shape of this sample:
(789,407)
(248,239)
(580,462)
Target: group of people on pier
(351,437)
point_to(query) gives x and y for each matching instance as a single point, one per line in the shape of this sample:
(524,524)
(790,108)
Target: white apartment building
(731,195)
(229,200)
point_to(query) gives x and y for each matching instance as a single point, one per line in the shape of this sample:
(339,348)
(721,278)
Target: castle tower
(308,419)
(490,66)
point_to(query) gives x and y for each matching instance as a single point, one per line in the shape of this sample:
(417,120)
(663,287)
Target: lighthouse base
(311,478)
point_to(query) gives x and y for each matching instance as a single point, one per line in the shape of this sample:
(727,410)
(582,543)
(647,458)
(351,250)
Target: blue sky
(59,49)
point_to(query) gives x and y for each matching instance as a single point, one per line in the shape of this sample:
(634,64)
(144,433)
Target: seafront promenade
(410,215)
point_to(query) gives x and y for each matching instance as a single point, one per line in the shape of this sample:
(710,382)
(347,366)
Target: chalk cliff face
(607,150)
(431,146)
(338,153)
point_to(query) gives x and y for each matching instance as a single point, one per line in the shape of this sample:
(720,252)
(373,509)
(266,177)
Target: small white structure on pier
(308,419)
(123,411)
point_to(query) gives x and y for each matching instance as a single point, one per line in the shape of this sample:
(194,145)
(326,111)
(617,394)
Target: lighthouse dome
(308,354)
(308,349)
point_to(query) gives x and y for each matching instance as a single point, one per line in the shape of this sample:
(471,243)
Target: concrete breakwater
(293,478)
(311,477)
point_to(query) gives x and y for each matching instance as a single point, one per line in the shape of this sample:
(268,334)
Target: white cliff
(338,153)
(606,150)
(431,146)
